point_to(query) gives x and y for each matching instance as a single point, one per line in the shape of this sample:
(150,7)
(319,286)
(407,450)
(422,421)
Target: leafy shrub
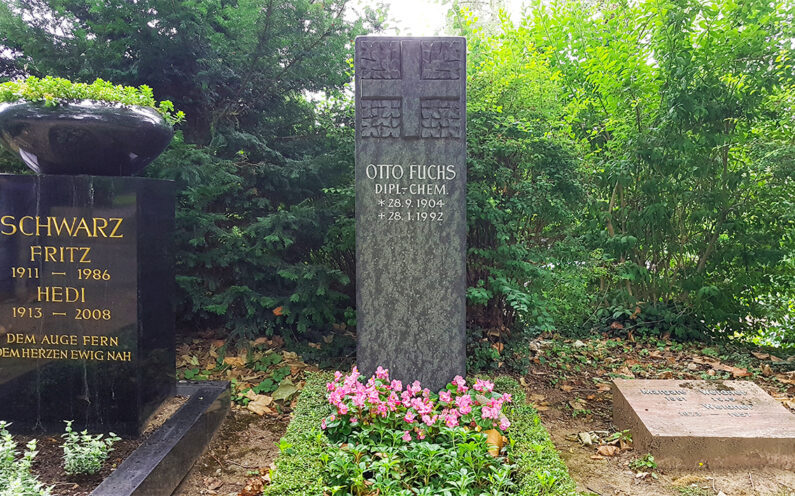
(412,441)
(54,91)
(15,476)
(84,453)
(257,243)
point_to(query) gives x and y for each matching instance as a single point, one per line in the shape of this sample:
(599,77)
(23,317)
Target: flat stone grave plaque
(720,424)
(411,207)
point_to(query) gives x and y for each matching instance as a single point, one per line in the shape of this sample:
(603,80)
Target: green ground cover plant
(54,91)
(311,462)
(16,478)
(84,453)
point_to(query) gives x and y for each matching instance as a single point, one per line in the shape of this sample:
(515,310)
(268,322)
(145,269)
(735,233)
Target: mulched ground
(48,464)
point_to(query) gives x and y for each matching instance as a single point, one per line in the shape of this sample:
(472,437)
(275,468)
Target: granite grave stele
(86,276)
(713,424)
(411,207)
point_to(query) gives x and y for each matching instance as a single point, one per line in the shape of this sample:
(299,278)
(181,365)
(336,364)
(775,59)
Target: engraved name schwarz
(410,88)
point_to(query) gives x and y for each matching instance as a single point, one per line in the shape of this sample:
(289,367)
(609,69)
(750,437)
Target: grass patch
(299,469)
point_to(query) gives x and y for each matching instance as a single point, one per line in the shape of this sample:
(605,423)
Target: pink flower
(342,409)
(406,436)
(451,421)
(323,424)
(484,386)
(421,435)
(445,396)
(337,376)
(464,404)
(382,373)
(504,423)
(428,420)
(354,420)
(410,416)
(415,388)
(488,412)
(507,398)
(396,386)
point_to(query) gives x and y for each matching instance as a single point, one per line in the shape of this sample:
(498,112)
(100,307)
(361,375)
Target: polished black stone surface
(411,207)
(158,466)
(84,138)
(86,310)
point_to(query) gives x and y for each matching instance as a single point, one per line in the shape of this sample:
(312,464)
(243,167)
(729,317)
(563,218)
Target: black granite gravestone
(86,311)
(411,207)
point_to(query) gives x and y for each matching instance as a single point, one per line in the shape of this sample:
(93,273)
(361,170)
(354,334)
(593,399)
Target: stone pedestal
(86,301)
(411,207)
(713,424)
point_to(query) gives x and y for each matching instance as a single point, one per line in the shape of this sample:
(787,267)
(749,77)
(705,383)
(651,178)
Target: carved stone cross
(411,88)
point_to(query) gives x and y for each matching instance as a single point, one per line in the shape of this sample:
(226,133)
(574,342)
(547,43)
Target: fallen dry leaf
(566,387)
(253,487)
(608,450)
(577,404)
(760,356)
(212,483)
(494,440)
(234,361)
(597,457)
(785,379)
(626,372)
(259,403)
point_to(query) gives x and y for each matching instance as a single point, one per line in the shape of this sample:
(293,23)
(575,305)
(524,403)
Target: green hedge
(300,472)
(541,471)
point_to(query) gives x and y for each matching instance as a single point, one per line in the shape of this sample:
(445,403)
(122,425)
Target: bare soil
(240,455)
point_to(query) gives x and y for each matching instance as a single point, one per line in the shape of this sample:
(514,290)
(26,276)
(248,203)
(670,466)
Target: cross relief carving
(410,88)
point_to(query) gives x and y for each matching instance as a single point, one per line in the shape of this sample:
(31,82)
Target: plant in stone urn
(59,127)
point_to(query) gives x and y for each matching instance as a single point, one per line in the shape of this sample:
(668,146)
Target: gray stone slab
(411,207)
(714,424)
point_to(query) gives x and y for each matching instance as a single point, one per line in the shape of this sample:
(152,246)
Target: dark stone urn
(86,269)
(89,137)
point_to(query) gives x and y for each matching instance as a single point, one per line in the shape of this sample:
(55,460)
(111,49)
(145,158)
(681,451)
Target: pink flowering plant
(395,437)
(387,405)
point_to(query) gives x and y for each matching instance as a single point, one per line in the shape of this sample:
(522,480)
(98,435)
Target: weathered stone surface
(715,423)
(411,207)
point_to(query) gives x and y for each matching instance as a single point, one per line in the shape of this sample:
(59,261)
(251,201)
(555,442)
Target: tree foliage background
(631,164)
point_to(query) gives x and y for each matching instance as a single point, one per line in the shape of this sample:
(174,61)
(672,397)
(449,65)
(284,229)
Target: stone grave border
(158,466)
